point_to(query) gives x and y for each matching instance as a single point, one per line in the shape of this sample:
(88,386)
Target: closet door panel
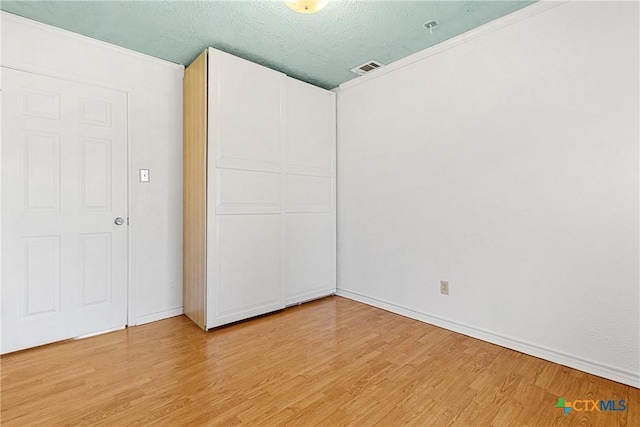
(245,191)
(310,122)
(240,192)
(247,113)
(310,256)
(249,267)
(310,227)
(309,193)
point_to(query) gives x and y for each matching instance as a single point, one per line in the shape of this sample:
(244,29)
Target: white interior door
(64,183)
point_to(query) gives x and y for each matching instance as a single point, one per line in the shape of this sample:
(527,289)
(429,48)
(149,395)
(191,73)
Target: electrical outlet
(444,287)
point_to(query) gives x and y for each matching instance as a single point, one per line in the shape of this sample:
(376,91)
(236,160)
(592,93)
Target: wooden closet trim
(195,190)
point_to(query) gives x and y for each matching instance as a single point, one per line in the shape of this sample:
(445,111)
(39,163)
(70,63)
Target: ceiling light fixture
(306,6)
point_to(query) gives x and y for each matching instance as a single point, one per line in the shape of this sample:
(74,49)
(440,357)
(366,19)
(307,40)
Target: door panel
(64,180)
(310,210)
(310,256)
(41,274)
(41,171)
(310,129)
(95,174)
(249,271)
(248,114)
(241,191)
(245,108)
(95,267)
(245,189)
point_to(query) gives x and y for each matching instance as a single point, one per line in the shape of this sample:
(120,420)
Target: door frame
(130,96)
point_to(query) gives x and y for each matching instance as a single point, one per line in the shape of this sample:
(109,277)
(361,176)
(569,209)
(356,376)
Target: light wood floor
(329,362)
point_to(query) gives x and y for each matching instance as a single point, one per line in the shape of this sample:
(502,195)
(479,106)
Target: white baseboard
(299,299)
(153,317)
(616,374)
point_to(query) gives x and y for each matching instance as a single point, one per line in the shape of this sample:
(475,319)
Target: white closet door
(245,186)
(64,181)
(310,218)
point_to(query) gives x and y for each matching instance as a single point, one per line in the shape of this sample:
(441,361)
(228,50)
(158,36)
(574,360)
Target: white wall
(506,163)
(154,90)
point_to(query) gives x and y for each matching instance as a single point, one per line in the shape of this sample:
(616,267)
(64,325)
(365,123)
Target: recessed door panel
(310,262)
(41,103)
(246,113)
(41,181)
(241,191)
(94,112)
(41,274)
(249,267)
(311,129)
(95,173)
(95,267)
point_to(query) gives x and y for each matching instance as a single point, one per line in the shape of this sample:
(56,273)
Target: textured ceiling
(319,48)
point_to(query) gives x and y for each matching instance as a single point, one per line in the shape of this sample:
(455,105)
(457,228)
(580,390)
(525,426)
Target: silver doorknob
(119,221)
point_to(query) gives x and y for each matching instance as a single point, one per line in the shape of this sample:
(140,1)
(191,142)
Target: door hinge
(127,220)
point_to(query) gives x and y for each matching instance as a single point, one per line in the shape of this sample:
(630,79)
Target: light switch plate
(444,287)
(144,175)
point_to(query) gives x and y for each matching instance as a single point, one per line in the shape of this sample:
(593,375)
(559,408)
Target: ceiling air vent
(367,67)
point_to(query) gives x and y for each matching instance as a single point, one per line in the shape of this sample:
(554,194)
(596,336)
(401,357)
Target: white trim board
(571,361)
(311,296)
(512,18)
(154,317)
(131,174)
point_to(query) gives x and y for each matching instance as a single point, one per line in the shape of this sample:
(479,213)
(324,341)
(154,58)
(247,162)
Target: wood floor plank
(329,362)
